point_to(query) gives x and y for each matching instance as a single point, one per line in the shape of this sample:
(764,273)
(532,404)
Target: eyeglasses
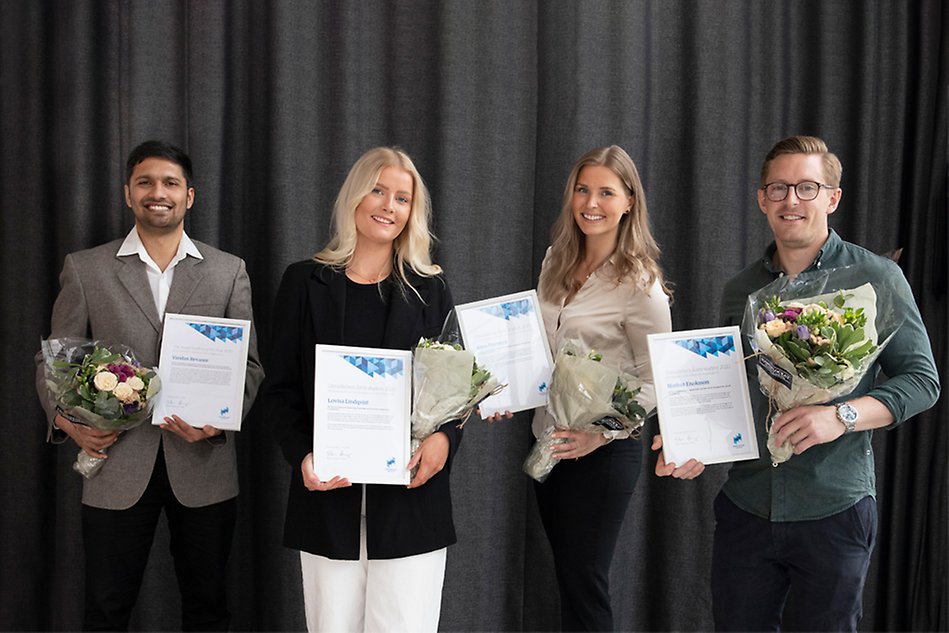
(805,190)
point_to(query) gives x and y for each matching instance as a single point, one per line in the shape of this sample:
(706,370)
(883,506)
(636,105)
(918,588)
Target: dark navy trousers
(756,562)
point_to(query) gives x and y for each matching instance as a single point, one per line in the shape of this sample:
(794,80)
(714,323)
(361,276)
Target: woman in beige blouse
(600,284)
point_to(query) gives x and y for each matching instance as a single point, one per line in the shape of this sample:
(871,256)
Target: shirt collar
(133,246)
(829,249)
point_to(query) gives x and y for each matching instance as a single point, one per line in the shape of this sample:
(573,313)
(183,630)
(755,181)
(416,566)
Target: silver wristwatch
(847,416)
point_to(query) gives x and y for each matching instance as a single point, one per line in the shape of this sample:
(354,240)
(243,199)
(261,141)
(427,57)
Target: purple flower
(803,333)
(131,408)
(790,314)
(768,316)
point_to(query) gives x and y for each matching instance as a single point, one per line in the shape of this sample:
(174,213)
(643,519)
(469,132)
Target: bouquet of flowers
(447,384)
(585,395)
(812,345)
(98,384)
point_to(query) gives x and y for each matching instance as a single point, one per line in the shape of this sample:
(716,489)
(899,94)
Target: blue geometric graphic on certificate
(711,346)
(220,332)
(510,309)
(374,366)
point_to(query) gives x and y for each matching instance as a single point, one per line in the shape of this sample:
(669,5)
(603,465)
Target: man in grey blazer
(120,292)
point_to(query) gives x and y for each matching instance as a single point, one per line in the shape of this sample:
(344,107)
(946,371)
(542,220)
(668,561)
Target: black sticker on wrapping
(769,367)
(611,424)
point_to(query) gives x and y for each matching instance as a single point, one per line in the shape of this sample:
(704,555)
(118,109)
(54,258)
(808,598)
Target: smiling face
(159,196)
(799,224)
(383,212)
(600,199)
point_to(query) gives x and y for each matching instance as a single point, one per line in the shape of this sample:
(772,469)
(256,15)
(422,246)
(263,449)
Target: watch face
(847,413)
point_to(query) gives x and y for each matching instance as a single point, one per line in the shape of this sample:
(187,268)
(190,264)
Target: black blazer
(311,308)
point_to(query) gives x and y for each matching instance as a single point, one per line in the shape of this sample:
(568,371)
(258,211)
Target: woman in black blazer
(374,285)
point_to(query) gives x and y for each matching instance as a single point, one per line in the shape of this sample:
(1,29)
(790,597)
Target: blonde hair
(637,254)
(412,248)
(801,144)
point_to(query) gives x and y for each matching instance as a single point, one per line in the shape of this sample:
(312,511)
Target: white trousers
(348,596)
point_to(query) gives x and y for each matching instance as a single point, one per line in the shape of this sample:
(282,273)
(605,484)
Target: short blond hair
(801,144)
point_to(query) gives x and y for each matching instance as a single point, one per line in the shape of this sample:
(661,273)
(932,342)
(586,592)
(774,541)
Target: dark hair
(158,149)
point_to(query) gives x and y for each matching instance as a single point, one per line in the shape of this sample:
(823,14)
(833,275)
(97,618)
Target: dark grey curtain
(494,100)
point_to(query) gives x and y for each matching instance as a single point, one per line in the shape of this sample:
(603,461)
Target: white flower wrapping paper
(442,389)
(581,393)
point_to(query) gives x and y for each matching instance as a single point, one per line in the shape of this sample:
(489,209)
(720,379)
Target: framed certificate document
(202,369)
(702,396)
(507,336)
(362,414)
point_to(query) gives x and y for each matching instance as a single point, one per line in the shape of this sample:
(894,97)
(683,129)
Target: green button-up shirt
(829,478)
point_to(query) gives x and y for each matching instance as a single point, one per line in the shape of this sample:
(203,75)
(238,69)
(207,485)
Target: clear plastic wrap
(447,382)
(99,384)
(815,337)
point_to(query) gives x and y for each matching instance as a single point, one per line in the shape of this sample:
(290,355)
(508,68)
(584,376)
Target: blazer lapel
(188,274)
(132,275)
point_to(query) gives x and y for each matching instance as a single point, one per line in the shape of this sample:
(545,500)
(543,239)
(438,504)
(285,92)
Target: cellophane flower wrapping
(99,384)
(815,338)
(585,395)
(447,382)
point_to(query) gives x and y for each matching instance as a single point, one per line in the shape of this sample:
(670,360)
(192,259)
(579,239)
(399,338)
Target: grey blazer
(104,296)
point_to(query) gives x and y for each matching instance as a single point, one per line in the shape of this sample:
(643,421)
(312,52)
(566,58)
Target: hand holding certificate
(702,396)
(203,366)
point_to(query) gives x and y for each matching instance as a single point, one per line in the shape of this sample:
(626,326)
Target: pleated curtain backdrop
(494,100)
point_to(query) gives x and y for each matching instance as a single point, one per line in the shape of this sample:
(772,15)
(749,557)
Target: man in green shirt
(810,522)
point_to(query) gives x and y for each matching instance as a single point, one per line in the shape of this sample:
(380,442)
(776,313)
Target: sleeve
(70,318)
(240,306)
(913,381)
(284,396)
(647,313)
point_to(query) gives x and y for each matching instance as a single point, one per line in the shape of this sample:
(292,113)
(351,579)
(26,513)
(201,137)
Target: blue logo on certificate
(374,366)
(705,347)
(390,464)
(510,309)
(223,333)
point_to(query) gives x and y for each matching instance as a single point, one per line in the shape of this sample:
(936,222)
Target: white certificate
(507,337)
(702,396)
(362,414)
(202,370)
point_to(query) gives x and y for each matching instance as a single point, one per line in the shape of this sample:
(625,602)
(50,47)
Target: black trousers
(755,563)
(582,505)
(117,543)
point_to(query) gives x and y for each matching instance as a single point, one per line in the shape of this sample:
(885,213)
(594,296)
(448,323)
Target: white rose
(124,393)
(135,383)
(105,381)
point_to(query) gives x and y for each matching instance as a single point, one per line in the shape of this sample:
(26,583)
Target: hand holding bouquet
(585,395)
(100,385)
(447,385)
(811,349)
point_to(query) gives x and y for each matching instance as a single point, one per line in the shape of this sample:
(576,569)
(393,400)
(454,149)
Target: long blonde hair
(637,254)
(412,248)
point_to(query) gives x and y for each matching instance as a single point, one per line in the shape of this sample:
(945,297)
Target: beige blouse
(612,319)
